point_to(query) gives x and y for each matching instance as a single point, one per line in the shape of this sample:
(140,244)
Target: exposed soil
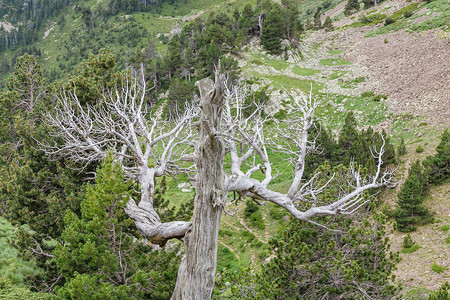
(412,69)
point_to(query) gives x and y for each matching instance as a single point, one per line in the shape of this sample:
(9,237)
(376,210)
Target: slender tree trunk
(196,275)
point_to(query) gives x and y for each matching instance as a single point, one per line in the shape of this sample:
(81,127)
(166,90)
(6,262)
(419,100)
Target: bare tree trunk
(196,275)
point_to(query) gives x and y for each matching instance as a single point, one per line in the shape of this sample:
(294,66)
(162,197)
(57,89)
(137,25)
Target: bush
(408,241)
(410,249)
(407,14)
(442,293)
(447,240)
(368,94)
(445,228)
(276,213)
(388,21)
(419,149)
(438,268)
(379,97)
(401,148)
(250,208)
(256,220)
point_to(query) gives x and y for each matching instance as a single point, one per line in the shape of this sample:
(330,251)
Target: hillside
(393,77)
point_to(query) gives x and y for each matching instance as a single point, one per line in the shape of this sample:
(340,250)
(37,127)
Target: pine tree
(439,165)
(401,148)
(273,30)
(311,262)
(101,257)
(328,24)
(410,211)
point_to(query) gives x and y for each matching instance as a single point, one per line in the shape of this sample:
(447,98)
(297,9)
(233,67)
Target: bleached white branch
(146,145)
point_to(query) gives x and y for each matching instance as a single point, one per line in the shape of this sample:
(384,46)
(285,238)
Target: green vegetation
(103,239)
(409,246)
(334,62)
(335,51)
(419,149)
(304,71)
(401,148)
(439,165)
(401,12)
(352,83)
(445,228)
(438,268)
(371,19)
(305,253)
(442,293)
(410,210)
(411,249)
(337,74)
(369,94)
(404,18)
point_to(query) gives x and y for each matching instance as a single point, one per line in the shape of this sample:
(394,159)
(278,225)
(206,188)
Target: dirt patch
(412,69)
(415,268)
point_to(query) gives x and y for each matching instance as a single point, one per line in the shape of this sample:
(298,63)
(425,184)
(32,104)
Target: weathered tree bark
(196,275)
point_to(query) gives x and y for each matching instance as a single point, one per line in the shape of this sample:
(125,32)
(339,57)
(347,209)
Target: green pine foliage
(410,210)
(328,24)
(401,148)
(98,72)
(273,30)
(13,269)
(311,262)
(101,256)
(442,294)
(438,166)
(10,291)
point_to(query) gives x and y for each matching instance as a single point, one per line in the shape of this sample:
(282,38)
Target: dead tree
(150,147)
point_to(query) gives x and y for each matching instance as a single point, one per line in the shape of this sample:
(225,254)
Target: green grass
(304,71)
(265,60)
(445,228)
(399,13)
(447,240)
(289,83)
(335,51)
(352,83)
(441,20)
(411,249)
(334,62)
(371,112)
(337,74)
(438,268)
(364,20)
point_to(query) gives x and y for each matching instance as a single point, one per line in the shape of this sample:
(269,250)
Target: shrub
(445,228)
(256,220)
(419,149)
(388,21)
(368,94)
(401,148)
(250,208)
(411,249)
(379,97)
(438,268)
(442,293)
(447,240)
(407,14)
(408,241)
(276,213)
